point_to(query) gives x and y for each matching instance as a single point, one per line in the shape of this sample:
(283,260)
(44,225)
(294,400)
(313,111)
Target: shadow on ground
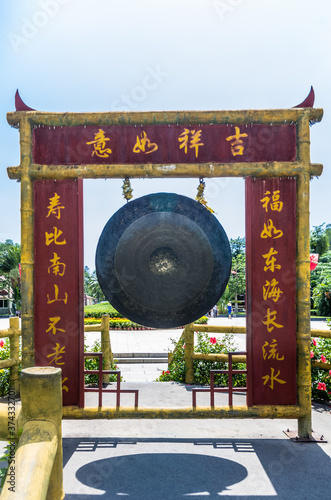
(143,468)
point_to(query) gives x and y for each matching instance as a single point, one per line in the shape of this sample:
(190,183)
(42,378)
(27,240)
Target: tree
(87,276)
(319,241)
(7,244)
(320,283)
(320,278)
(237,282)
(91,285)
(237,246)
(328,233)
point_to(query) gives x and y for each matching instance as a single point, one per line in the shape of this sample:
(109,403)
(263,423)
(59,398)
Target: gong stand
(69,146)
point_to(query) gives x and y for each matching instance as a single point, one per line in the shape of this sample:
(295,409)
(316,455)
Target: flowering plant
(4,373)
(321,379)
(201,368)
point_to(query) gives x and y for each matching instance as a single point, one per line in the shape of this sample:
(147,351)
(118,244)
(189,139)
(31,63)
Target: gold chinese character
(271,290)
(270,261)
(237,145)
(144,142)
(273,378)
(269,231)
(56,266)
(56,294)
(55,207)
(270,320)
(275,205)
(64,387)
(56,356)
(52,325)
(194,140)
(272,354)
(53,237)
(99,145)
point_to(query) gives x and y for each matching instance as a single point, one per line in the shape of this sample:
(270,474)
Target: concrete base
(176,459)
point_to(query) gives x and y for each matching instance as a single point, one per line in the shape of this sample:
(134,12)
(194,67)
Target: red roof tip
(20,105)
(309,101)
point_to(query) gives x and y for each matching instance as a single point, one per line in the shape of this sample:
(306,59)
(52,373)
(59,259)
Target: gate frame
(301,168)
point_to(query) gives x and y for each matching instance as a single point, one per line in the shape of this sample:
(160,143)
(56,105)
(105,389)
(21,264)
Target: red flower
(321,386)
(2,343)
(167,372)
(314,342)
(323,359)
(213,340)
(311,354)
(329,372)
(162,372)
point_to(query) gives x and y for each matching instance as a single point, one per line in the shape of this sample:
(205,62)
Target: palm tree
(93,287)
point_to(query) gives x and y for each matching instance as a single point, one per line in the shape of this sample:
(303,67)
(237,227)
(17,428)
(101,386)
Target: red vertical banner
(58,282)
(271,290)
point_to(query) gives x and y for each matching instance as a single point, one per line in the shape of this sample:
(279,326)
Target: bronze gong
(163,260)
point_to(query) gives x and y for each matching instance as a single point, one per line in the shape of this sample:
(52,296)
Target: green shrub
(201,368)
(201,321)
(93,364)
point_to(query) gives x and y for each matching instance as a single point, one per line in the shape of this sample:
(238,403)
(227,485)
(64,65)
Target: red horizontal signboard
(271,290)
(58,282)
(130,144)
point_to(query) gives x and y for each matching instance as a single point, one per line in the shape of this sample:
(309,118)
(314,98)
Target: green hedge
(117,321)
(126,324)
(97,310)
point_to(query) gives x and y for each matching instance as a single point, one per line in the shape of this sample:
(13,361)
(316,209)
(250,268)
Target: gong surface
(163,260)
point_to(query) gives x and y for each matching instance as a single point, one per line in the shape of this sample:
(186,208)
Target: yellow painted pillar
(27,245)
(303,281)
(41,415)
(189,348)
(105,346)
(14,324)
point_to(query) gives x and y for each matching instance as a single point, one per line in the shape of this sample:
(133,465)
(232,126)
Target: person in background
(229,306)
(215,311)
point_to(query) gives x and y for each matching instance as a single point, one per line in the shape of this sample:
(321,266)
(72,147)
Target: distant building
(4,303)
(88,300)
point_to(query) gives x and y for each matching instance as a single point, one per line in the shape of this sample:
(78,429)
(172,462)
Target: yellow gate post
(188,359)
(303,281)
(105,346)
(27,244)
(38,458)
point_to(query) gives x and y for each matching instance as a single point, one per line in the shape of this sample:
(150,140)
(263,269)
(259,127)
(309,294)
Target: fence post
(106,347)
(189,348)
(41,396)
(14,325)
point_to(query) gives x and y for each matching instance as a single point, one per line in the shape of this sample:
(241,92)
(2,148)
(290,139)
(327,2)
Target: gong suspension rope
(200,195)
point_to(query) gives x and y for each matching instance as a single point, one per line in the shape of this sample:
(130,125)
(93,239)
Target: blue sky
(95,55)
